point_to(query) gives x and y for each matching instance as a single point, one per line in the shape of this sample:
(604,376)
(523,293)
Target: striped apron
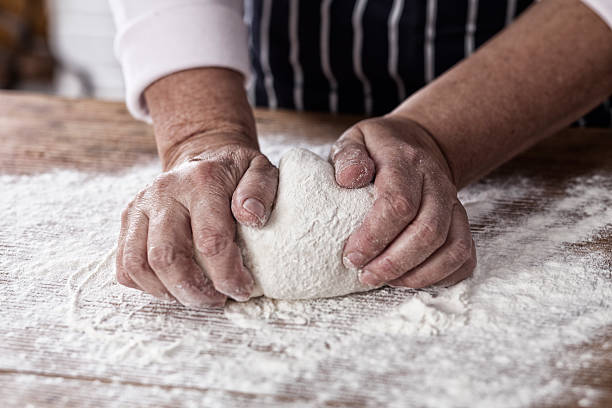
(366,56)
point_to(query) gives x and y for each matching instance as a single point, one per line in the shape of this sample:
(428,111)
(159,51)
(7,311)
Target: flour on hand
(298,254)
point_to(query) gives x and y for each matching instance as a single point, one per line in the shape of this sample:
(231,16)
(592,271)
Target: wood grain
(38,133)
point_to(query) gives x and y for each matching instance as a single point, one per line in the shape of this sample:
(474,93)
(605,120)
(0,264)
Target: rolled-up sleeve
(603,8)
(156,38)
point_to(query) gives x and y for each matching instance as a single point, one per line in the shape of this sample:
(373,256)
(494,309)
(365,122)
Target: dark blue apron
(366,56)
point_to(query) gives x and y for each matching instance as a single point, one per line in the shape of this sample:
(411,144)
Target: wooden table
(38,133)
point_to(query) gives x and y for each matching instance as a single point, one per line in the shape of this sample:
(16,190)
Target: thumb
(352,163)
(253,198)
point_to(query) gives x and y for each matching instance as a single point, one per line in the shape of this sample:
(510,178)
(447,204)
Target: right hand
(190,211)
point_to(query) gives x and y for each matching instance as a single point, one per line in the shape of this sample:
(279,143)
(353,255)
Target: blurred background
(63,47)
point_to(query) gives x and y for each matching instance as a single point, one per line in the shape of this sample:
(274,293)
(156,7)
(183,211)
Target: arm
(156,38)
(551,66)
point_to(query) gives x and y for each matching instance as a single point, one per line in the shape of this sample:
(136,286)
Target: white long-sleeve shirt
(156,38)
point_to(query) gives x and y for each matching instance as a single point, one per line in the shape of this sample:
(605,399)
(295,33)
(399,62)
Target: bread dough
(298,254)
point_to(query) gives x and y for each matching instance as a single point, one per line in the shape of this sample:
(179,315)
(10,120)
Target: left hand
(417,233)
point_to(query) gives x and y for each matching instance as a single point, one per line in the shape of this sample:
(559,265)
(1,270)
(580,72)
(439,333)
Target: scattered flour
(498,339)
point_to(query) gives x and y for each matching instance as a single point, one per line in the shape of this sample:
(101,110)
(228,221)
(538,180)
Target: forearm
(199,109)
(545,71)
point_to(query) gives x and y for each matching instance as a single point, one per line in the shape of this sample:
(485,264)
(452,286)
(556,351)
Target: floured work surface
(533,327)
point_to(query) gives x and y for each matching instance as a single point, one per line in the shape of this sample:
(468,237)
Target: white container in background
(81,35)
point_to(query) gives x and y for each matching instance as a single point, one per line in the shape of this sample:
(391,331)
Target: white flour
(499,339)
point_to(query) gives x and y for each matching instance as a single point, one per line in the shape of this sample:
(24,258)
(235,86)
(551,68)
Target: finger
(253,198)
(352,163)
(418,241)
(214,232)
(134,257)
(170,254)
(122,274)
(466,271)
(398,195)
(456,251)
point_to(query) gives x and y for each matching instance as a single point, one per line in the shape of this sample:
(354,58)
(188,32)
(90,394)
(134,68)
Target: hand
(186,212)
(417,232)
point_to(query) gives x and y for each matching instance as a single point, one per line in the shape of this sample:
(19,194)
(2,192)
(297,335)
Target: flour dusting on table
(498,339)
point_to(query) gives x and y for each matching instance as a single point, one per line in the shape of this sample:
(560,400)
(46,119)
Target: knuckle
(134,264)
(371,125)
(139,196)
(163,256)
(205,171)
(162,184)
(220,172)
(458,277)
(210,243)
(210,167)
(398,207)
(430,233)
(131,208)
(460,251)
(123,279)
(263,171)
(261,161)
(388,269)
(240,155)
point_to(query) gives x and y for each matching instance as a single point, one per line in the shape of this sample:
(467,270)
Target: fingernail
(240,292)
(369,278)
(255,207)
(354,260)
(203,301)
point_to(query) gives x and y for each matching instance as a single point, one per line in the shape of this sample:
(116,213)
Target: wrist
(205,142)
(429,142)
(199,110)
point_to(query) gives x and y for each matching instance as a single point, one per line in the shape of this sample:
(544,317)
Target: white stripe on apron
(264,38)
(393,34)
(470,26)
(248,18)
(430,37)
(357,49)
(510,11)
(325,64)
(294,55)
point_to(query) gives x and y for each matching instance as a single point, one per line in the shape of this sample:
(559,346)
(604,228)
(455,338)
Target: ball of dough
(298,254)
